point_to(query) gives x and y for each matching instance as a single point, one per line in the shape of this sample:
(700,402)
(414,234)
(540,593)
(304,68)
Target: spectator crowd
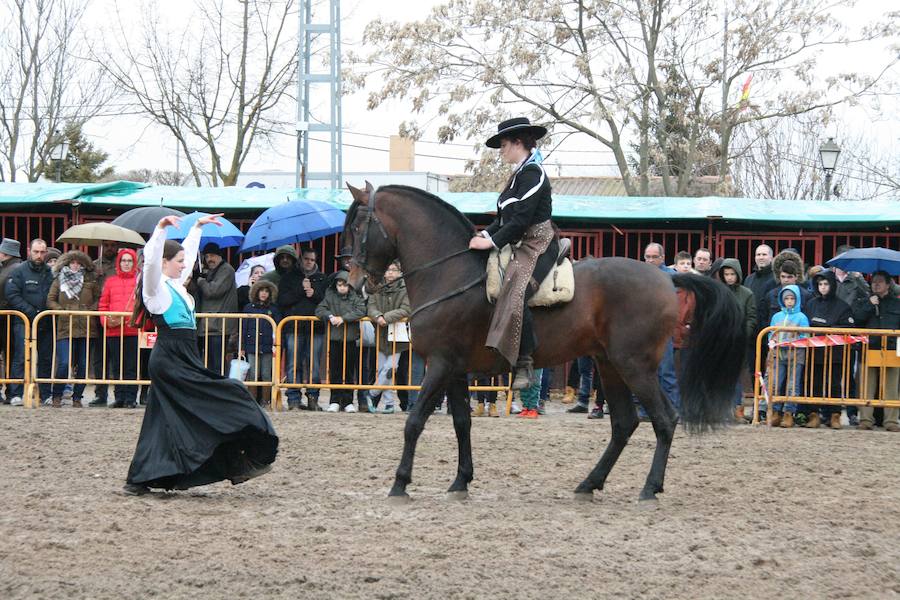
(780,291)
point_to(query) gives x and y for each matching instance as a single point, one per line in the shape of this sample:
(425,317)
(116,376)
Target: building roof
(585,208)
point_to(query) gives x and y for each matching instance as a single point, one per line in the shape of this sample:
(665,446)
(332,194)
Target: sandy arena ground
(748,513)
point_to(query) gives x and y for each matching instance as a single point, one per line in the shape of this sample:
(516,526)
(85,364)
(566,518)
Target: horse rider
(523,220)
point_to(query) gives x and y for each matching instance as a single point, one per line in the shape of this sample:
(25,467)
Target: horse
(622,315)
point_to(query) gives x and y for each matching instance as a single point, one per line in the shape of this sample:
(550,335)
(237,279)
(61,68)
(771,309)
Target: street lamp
(60,152)
(828,153)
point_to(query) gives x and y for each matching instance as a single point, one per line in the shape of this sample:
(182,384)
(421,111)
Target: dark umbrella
(293,222)
(145,218)
(868,260)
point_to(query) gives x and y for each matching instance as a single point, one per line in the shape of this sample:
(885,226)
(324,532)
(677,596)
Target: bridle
(369,218)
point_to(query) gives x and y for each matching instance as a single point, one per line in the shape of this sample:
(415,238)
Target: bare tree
(652,80)
(154,176)
(46,86)
(214,85)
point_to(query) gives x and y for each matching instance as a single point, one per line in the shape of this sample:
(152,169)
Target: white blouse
(157,297)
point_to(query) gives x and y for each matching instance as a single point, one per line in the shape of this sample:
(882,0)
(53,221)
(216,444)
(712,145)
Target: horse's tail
(714,357)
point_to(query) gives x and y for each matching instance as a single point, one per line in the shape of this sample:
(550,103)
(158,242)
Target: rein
(370,217)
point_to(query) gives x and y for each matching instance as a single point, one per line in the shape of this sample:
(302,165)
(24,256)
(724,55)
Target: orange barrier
(835,371)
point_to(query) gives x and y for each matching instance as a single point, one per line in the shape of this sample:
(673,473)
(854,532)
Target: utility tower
(319,94)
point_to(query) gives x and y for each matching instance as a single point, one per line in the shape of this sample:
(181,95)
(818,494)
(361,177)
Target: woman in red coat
(121,339)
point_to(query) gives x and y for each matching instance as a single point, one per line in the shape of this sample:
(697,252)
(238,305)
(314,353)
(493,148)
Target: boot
(524,373)
(776,419)
(478,411)
(76,403)
(787,420)
(56,401)
(739,414)
(814,421)
(569,396)
(492,410)
(835,421)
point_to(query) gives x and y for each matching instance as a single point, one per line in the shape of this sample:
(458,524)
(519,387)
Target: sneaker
(853,420)
(387,410)
(516,408)
(578,408)
(350,408)
(596,413)
(540,409)
(333,407)
(16,401)
(528,413)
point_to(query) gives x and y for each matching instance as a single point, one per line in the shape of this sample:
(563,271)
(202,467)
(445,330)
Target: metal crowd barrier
(95,327)
(7,345)
(850,372)
(301,327)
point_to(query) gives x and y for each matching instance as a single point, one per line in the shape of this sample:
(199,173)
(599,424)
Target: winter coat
(761,282)
(260,342)
(217,293)
(118,295)
(884,316)
(392,303)
(743,295)
(852,288)
(767,306)
(350,306)
(827,311)
(276,275)
(87,299)
(790,317)
(525,201)
(27,289)
(6,270)
(292,298)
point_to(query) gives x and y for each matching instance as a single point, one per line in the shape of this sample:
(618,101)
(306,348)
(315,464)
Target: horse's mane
(416,193)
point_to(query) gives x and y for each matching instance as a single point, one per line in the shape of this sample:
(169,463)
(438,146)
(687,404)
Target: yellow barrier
(94,327)
(6,322)
(305,325)
(829,380)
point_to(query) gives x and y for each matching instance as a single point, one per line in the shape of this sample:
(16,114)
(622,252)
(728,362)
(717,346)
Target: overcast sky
(133,143)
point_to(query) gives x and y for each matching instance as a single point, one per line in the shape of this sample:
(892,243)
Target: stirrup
(524,374)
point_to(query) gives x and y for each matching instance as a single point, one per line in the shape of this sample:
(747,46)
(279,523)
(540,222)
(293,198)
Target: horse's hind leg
(434,383)
(662,416)
(458,396)
(624,420)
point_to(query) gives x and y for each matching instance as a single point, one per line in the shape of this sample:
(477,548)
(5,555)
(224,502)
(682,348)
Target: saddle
(558,287)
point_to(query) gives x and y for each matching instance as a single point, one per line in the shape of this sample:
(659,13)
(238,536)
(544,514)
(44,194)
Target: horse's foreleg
(458,393)
(433,384)
(623,419)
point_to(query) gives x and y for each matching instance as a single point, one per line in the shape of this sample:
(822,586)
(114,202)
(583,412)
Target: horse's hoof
(648,503)
(583,497)
(399,500)
(458,495)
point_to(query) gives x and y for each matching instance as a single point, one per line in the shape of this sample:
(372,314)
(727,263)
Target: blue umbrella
(868,260)
(225,236)
(293,222)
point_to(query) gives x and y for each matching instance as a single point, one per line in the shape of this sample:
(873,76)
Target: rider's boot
(524,373)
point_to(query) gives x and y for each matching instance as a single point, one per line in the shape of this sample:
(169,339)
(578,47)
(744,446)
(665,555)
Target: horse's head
(365,240)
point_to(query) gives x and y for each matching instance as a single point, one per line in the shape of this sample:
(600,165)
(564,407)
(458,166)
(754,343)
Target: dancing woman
(199,427)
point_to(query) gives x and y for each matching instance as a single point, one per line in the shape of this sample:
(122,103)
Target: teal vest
(179,315)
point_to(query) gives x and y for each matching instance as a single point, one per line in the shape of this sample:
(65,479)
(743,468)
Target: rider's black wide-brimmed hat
(515,125)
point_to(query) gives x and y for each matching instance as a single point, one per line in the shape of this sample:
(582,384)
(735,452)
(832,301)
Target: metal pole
(827,185)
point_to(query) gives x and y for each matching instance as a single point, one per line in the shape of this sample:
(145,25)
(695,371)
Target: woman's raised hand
(214,219)
(170,220)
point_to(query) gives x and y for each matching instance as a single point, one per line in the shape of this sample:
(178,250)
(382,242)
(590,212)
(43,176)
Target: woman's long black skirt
(199,427)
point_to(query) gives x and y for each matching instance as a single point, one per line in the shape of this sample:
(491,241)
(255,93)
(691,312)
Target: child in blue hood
(789,362)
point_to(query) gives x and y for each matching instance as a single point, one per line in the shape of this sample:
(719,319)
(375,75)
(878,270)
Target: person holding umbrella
(880,311)
(199,427)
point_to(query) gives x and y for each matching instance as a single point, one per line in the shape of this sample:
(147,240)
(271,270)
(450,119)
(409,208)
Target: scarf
(71,282)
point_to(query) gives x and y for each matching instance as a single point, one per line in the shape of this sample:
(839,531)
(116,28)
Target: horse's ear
(369,187)
(358,194)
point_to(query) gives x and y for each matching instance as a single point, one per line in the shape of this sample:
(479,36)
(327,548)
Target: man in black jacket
(26,291)
(300,291)
(880,311)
